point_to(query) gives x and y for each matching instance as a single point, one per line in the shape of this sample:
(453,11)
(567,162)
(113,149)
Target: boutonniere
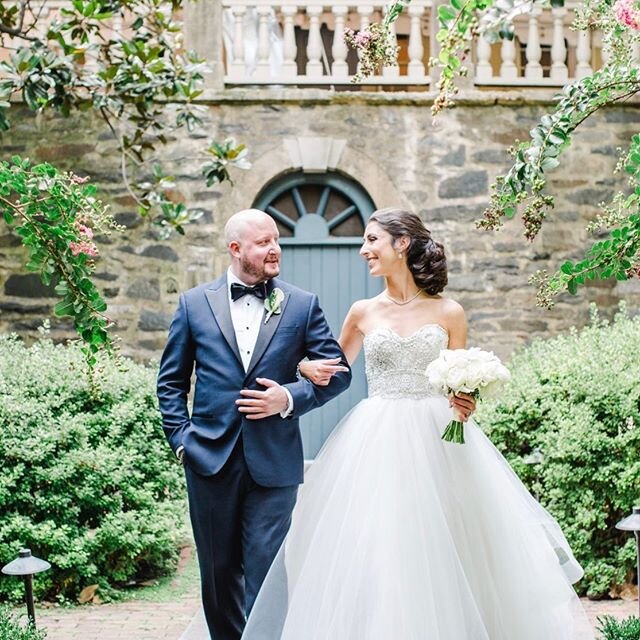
(272,303)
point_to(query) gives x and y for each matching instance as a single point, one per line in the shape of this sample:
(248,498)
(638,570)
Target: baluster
(508,69)
(533,68)
(289,66)
(635,54)
(392,70)
(583,55)
(314,46)
(416,48)
(238,70)
(116,26)
(263,69)
(484,70)
(559,71)
(339,49)
(364,11)
(605,54)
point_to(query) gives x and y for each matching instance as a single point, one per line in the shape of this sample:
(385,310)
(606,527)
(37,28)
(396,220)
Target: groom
(241,447)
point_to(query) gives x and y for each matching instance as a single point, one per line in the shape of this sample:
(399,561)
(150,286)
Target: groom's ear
(234,248)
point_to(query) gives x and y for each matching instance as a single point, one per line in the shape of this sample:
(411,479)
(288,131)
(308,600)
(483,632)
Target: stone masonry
(391,147)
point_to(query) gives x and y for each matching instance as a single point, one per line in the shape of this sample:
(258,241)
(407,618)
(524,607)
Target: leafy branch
(523,185)
(617,255)
(123,59)
(58,218)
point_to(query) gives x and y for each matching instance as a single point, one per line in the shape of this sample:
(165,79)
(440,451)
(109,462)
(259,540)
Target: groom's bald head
(253,242)
(243,222)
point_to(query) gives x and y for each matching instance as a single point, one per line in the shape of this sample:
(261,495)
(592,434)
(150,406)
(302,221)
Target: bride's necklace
(401,304)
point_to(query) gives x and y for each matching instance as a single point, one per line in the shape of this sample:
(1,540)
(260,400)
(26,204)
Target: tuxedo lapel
(218,299)
(266,333)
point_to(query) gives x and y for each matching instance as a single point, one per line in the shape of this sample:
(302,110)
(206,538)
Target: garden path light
(26,565)
(632,523)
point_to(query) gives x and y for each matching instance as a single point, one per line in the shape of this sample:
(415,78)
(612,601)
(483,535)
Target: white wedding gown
(398,535)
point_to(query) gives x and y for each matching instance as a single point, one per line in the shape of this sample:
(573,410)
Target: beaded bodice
(395,365)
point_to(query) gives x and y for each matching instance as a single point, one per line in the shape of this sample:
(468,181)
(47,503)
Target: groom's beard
(262,272)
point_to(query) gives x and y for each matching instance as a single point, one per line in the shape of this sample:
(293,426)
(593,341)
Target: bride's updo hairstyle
(425,256)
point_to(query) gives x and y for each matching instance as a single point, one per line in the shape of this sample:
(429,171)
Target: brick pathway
(171,620)
(121,621)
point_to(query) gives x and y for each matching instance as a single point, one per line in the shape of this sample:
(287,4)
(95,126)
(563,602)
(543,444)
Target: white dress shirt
(246,315)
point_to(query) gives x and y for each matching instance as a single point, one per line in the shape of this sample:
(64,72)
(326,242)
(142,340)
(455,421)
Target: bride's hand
(320,372)
(463,406)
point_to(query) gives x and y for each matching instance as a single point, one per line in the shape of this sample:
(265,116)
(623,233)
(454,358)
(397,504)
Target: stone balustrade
(295,43)
(302,44)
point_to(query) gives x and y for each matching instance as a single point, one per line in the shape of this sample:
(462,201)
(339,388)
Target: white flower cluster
(467,371)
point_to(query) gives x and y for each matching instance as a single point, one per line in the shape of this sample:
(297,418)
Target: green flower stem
(454,432)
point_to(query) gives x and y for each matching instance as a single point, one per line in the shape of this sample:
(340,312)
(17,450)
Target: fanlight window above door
(316,207)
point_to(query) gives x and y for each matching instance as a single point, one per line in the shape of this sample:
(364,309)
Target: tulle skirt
(398,535)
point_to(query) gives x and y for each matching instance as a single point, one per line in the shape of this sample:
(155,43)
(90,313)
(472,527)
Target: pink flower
(627,13)
(362,38)
(85,231)
(88,248)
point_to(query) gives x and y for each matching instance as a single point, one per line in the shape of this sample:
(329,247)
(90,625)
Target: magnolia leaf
(549,163)
(567,268)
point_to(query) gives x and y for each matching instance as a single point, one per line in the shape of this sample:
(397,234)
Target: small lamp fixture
(632,523)
(26,565)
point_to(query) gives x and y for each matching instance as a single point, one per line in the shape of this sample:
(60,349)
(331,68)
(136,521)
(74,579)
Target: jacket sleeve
(320,344)
(174,377)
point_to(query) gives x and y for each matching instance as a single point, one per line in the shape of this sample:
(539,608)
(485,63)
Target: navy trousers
(238,528)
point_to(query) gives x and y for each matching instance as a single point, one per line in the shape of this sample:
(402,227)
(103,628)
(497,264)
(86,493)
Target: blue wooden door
(339,276)
(321,218)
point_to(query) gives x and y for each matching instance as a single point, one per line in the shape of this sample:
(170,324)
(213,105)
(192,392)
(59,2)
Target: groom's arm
(174,377)
(320,344)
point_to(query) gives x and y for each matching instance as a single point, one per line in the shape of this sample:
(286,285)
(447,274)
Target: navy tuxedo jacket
(202,334)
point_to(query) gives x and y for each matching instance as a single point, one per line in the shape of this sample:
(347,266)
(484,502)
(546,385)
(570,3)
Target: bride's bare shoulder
(452,316)
(451,308)
(361,308)
(358,313)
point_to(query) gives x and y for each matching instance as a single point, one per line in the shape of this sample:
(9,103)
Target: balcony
(301,44)
(291,43)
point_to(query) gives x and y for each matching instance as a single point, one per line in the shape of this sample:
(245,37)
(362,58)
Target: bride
(398,535)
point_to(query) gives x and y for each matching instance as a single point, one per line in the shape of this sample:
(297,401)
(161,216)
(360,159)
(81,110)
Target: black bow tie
(258,290)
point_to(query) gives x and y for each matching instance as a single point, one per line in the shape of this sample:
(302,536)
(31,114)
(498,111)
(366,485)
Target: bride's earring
(400,256)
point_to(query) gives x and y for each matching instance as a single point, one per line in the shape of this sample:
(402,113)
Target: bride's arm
(320,371)
(463,404)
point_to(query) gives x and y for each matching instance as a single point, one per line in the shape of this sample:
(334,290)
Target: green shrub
(613,629)
(576,399)
(12,629)
(87,483)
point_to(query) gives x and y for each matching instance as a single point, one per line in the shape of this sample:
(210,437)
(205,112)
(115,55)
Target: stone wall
(397,154)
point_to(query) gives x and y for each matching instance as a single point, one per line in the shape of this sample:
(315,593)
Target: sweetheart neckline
(411,335)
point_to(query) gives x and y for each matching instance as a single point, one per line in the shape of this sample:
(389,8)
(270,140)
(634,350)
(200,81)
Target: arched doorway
(321,218)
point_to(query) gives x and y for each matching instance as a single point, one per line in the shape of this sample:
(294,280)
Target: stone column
(203,33)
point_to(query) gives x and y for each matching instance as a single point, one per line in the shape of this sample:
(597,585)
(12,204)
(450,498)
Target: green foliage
(523,187)
(613,629)
(576,399)
(224,155)
(458,25)
(56,216)
(88,483)
(121,58)
(12,629)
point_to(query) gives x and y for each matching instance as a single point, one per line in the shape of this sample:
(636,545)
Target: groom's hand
(262,404)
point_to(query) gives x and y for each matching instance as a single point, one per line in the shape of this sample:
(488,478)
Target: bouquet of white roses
(472,371)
